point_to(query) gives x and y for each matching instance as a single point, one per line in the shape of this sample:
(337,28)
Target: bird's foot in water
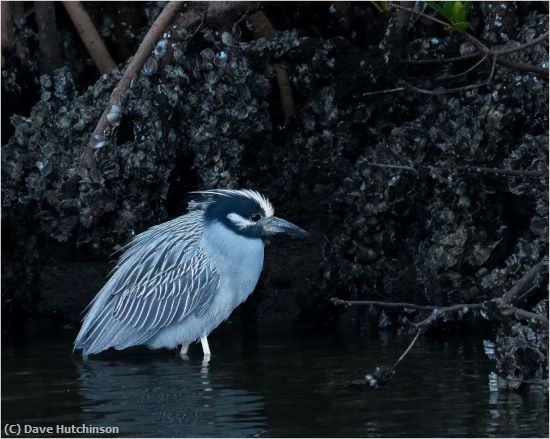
(205,347)
(184,349)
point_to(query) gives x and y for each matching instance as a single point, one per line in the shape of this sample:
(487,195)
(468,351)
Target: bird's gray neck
(238,261)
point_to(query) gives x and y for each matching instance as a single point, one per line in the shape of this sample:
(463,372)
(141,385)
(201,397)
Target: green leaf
(455,12)
(435,7)
(382,6)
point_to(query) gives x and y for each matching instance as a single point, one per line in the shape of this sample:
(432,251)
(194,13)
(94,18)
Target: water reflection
(277,387)
(168,396)
(517,411)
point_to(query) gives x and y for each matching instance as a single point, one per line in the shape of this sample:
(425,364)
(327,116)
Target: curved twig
(411,344)
(464,73)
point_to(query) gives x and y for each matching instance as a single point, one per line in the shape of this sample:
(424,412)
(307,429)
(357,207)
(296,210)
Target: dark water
(284,387)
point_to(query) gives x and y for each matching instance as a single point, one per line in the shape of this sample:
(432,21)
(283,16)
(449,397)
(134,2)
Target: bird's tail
(97,319)
(101,331)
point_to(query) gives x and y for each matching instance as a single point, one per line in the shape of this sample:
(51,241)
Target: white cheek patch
(239,221)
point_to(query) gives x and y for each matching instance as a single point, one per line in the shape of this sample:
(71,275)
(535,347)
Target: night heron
(176,282)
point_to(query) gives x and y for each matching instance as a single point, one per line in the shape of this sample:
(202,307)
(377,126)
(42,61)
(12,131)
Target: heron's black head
(245,212)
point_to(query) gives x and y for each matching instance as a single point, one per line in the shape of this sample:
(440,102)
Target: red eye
(256,217)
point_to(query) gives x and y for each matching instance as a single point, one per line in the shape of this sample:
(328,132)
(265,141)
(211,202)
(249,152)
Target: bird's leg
(205,347)
(184,348)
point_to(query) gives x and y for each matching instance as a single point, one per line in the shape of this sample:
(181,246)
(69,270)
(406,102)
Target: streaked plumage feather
(161,278)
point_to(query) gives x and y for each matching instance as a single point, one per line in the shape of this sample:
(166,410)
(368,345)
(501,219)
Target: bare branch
(522,67)
(442,91)
(119,93)
(534,42)
(522,313)
(525,282)
(420,14)
(18,16)
(7,26)
(90,37)
(494,53)
(264,29)
(468,168)
(458,75)
(400,167)
(213,13)
(381,92)
(47,36)
(440,60)
(497,171)
(401,305)
(396,30)
(439,310)
(493,66)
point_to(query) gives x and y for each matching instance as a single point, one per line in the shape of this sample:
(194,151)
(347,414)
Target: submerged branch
(501,305)
(404,354)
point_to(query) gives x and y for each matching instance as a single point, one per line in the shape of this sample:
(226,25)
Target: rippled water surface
(269,387)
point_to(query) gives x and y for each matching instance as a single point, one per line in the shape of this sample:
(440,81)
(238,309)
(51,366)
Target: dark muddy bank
(407,194)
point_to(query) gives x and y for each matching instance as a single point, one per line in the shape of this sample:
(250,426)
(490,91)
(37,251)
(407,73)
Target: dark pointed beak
(275,225)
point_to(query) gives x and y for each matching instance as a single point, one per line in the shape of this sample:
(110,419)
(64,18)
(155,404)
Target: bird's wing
(163,277)
(170,296)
